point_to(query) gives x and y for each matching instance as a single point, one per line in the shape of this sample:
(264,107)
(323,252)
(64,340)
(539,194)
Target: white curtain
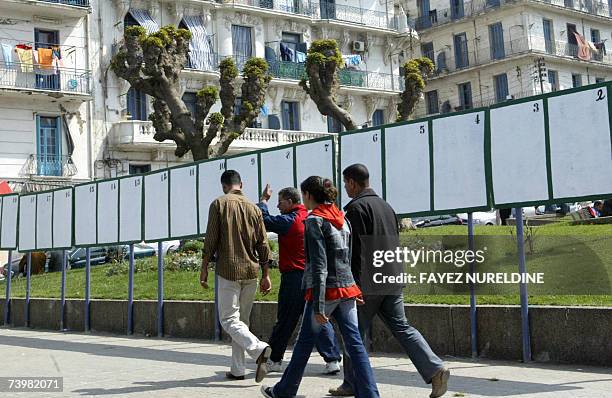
(200,47)
(145,20)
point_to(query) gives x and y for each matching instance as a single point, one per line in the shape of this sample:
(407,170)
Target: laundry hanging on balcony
(201,54)
(144,19)
(351,60)
(25,57)
(287,53)
(7,55)
(584,51)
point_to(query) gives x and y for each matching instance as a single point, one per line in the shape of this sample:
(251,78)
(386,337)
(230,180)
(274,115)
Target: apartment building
(369,32)
(487,51)
(45,93)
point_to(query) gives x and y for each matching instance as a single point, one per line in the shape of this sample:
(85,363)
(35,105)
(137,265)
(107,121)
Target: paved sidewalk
(111,366)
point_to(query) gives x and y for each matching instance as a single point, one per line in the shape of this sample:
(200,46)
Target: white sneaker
(274,366)
(331,368)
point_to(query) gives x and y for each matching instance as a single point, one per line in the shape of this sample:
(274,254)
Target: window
(595,36)
(553,79)
(190,100)
(548,35)
(49,146)
(129,20)
(291,115)
(600,79)
(501,87)
(140,168)
(49,40)
(576,80)
(242,44)
(137,104)
(378,118)
(328,9)
(496,39)
(572,46)
(334,125)
(461,50)
(427,50)
(456,9)
(431,101)
(291,48)
(424,20)
(465,96)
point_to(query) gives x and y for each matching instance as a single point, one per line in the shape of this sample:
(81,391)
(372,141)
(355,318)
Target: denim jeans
(345,314)
(390,309)
(290,307)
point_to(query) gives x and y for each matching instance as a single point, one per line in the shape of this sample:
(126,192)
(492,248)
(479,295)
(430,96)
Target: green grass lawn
(551,241)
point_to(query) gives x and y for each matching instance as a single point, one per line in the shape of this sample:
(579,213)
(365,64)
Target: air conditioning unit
(358,46)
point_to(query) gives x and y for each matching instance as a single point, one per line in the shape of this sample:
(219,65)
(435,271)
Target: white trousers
(235,303)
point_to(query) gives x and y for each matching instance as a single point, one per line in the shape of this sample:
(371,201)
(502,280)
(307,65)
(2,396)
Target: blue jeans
(345,314)
(290,307)
(390,309)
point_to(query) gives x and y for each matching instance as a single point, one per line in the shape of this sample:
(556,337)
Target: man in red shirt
(289,226)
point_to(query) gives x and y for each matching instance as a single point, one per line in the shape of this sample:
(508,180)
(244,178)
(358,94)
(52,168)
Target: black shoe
(267,392)
(231,376)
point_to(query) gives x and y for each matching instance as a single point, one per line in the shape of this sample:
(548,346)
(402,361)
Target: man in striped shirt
(236,233)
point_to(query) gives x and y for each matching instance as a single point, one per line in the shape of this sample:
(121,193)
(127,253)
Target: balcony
(296,7)
(356,15)
(138,136)
(27,77)
(49,166)
(49,8)
(449,61)
(348,78)
(323,11)
(469,9)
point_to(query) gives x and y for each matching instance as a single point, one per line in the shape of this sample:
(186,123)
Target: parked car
(481,217)
(140,250)
(434,221)
(97,255)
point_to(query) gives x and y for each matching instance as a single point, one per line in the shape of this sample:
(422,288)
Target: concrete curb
(577,335)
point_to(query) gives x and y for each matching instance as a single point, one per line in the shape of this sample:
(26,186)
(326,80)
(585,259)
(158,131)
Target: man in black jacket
(370,215)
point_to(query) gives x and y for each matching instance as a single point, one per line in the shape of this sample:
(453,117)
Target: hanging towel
(58,62)
(300,57)
(25,59)
(45,62)
(584,52)
(287,53)
(7,55)
(264,110)
(352,60)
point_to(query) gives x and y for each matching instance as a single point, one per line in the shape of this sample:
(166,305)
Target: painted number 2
(600,95)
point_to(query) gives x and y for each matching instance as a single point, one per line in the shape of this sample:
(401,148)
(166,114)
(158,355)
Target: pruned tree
(322,64)
(416,73)
(152,63)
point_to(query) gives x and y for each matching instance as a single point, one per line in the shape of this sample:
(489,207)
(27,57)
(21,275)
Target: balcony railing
(565,49)
(325,10)
(30,77)
(77,3)
(290,6)
(356,15)
(203,61)
(468,9)
(49,165)
(139,134)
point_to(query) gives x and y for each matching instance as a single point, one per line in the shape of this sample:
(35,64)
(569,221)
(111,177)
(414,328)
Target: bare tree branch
(152,63)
